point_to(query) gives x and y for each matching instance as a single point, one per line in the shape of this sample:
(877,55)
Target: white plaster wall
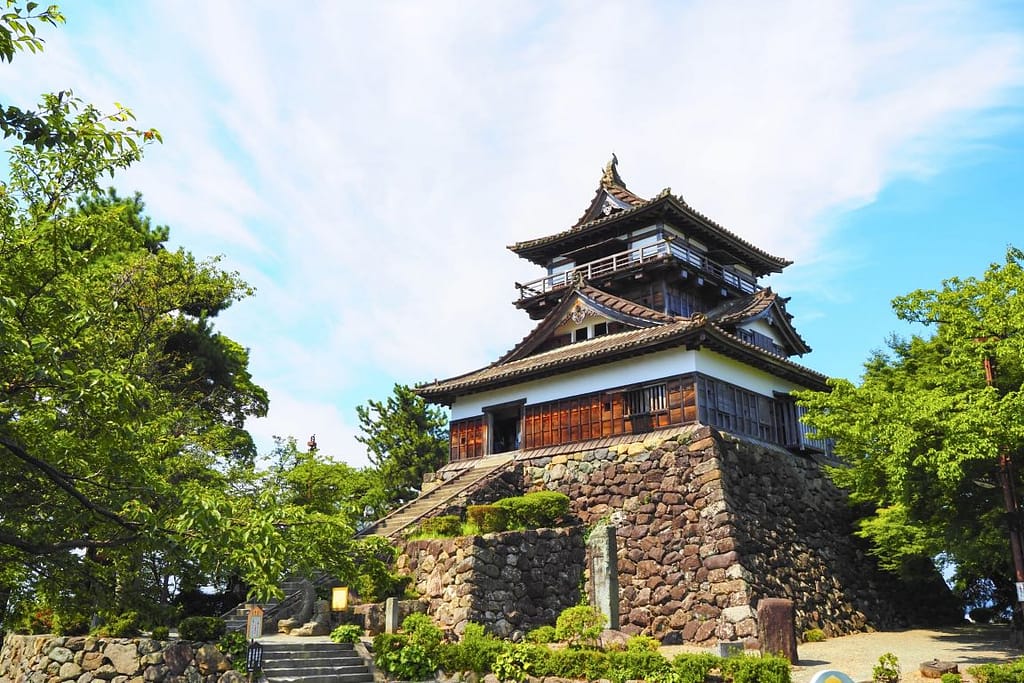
(764,328)
(630,371)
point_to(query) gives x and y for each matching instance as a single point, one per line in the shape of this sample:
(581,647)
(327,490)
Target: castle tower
(651,315)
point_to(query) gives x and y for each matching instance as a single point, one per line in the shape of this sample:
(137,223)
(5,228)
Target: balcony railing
(632,258)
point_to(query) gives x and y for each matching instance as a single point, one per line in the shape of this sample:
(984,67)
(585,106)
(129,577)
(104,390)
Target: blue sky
(363,165)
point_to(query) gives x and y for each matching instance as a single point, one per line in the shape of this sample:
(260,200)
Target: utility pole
(1007,479)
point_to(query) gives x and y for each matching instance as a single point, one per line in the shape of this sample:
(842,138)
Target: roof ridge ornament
(611,176)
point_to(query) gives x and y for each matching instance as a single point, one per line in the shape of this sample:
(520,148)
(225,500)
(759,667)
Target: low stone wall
(512,581)
(82,659)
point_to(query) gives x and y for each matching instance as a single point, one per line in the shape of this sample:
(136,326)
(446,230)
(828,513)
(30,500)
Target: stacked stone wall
(708,525)
(512,581)
(81,659)
(794,533)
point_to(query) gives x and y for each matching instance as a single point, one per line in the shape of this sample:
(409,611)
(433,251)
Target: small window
(652,399)
(580,335)
(600,329)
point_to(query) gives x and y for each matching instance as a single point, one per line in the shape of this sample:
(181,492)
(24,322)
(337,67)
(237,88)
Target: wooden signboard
(254,623)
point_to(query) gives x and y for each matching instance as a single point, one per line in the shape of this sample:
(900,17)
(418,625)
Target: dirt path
(856,655)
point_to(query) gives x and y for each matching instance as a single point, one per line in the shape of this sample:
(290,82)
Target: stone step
(342,678)
(345,658)
(308,650)
(294,661)
(294,670)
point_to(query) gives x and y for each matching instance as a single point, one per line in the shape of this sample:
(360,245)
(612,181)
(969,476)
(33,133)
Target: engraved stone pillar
(391,620)
(604,573)
(776,628)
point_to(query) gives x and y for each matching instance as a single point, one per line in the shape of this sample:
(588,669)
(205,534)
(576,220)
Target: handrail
(497,467)
(634,257)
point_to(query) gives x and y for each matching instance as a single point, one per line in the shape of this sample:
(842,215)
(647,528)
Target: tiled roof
(616,308)
(666,200)
(625,306)
(756,304)
(744,308)
(698,329)
(562,358)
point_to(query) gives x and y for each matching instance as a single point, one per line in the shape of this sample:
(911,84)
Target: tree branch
(63,481)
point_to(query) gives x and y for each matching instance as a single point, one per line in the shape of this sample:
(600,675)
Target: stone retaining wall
(707,525)
(512,581)
(85,659)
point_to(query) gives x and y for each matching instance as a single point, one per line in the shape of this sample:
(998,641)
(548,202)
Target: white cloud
(366,163)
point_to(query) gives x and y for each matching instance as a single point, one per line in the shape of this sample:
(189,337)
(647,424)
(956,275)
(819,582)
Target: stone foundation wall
(82,659)
(707,525)
(512,581)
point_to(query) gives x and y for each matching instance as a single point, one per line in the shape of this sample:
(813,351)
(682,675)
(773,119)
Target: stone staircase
(294,660)
(405,517)
(235,620)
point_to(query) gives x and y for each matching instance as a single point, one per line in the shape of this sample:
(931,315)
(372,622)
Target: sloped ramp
(406,517)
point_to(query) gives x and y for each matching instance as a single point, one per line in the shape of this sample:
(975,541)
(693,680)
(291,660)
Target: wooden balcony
(631,259)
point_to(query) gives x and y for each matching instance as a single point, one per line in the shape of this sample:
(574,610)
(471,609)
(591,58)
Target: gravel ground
(856,655)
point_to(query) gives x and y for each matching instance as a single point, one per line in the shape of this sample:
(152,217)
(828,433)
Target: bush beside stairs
(297,660)
(452,491)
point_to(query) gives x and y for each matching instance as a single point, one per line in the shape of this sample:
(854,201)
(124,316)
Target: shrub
(766,669)
(236,647)
(998,673)
(541,634)
(206,629)
(476,651)
(576,663)
(398,656)
(160,633)
(70,624)
(535,510)
(694,668)
(444,525)
(636,664)
(37,619)
(124,625)
(642,644)
(951,678)
(488,518)
(519,661)
(887,670)
(347,633)
(423,632)
(578,625)
(411,655)
(814,635)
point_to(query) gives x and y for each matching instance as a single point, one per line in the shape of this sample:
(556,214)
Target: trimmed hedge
(537,510)
(488,518)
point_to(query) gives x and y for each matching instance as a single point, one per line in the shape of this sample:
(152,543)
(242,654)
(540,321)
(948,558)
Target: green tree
(923,433)
(406,439)
(321,484)
(125,465)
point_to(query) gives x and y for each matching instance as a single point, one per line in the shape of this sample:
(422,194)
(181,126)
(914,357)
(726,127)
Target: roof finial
(611,173)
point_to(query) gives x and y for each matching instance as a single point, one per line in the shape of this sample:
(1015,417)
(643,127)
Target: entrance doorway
(506,426)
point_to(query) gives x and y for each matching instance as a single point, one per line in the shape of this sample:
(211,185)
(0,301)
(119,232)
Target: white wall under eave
(645,368)
(761,325)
